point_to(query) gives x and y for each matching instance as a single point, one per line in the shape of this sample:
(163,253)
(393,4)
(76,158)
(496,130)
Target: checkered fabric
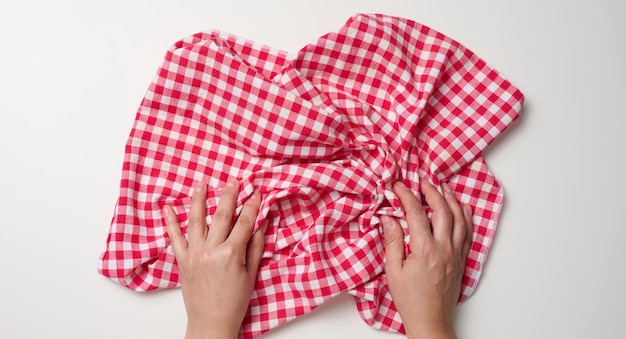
(323,134)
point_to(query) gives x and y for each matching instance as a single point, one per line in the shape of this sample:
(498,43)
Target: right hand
(426,284)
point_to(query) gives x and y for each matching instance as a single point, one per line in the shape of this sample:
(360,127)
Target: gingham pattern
(323,136)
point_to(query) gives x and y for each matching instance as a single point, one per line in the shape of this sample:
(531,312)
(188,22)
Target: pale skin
(425,285)
(218,264)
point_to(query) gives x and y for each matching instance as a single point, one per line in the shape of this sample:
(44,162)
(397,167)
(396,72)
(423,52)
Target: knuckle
(392,237)
(195,221)
(445,214)
(222,215)
(448,256)
(218,257)
(245,220)
(430,258)
(427,249)
(414,205)
(251,203)
(228,251)
(206,259)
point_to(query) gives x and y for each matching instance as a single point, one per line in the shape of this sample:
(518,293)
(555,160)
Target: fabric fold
(323,136)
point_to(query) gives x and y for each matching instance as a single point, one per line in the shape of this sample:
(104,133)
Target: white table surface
(72,74)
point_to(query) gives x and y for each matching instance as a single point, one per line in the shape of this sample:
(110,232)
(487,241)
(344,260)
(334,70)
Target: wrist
(431,332)
(209,332)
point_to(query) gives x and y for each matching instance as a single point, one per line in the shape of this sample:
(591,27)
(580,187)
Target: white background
(72,74)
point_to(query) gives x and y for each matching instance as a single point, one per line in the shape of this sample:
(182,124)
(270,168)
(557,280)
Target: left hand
(218,265)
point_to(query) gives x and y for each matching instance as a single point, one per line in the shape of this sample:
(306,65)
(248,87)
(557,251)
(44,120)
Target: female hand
(426,284)
(218,266)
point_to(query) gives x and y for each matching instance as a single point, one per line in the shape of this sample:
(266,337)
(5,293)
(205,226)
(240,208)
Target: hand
(426,284)
(218,266)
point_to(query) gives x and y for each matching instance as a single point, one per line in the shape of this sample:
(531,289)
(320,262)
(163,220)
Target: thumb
(394,243)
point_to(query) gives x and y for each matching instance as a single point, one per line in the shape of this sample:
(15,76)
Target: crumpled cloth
(323,134)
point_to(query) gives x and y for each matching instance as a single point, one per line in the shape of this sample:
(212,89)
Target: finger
(196,228)
(254,253)
(442,216)
(458,225)
(394,244)
(469,224)
(222,220)
(417,220)
(242,230)
(177,239)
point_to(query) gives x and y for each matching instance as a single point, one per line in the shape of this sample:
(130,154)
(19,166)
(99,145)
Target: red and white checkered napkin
(323,136)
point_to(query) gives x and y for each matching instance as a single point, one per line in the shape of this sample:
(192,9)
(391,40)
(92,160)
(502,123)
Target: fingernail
(400,184)
(166,212)
(446,187)
(232,182)
(198,186)
(256,194)
(386,222)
